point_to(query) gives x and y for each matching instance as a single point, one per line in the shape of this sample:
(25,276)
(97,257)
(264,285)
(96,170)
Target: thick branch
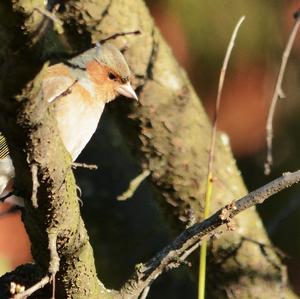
(44,176)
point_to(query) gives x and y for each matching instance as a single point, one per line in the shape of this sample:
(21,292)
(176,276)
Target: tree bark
(168,131)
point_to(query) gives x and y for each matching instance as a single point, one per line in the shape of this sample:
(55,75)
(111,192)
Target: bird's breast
(77,117)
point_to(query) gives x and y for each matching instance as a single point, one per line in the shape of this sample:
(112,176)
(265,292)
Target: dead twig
(278,93)
(134,184)
(58,24)
(169,256)
(45,280)
(116,35)
(219,95)
(76,165)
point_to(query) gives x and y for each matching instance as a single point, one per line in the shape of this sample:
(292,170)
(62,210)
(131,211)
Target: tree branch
(171,256)
(44,177)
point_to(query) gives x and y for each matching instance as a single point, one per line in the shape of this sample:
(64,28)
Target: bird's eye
(111,76)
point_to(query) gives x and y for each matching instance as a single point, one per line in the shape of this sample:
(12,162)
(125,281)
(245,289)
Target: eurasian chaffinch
(79,88)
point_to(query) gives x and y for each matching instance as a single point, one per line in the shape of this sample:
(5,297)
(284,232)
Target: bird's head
(108,71)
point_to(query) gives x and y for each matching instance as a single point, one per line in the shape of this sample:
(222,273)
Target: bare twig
(209,180)
(35,186)
(58,24)
(45,280)
(134,184)
(278,93)
(189,251)
(116,35)
(220,89)
(54,260)
(64,93)
(50,15)
(84,165)
(53,269)
(145,292)
(170,255)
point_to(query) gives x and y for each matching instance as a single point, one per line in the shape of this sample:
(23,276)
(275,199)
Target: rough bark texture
(169,131)
(43,167)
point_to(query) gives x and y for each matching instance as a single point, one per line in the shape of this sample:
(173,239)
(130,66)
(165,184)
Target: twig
(116,35)
(209,181)
(67,91)
(35,185)
(278,93)
(53,269)
(189,251)
(220,89)
(58,24)
(84,165)
(145,292)
(134,184)
(54,260)
(64,93)
(45,280)
(170,255)
(50,15)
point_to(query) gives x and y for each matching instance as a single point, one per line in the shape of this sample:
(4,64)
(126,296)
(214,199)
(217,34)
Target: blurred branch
(26,293)
(278,93)
(76,165)
(171,256)
(133,185)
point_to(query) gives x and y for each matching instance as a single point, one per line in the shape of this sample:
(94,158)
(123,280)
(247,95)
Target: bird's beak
(127,91)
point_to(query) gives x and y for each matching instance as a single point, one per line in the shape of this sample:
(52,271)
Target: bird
(78,88)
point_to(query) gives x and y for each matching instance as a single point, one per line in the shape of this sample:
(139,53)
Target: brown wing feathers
(3,147)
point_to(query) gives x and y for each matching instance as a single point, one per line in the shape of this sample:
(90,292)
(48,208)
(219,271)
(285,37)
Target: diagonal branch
(171,255)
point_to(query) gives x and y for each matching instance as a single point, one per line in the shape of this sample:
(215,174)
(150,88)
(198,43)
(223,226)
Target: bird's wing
(4,152)
(57,83)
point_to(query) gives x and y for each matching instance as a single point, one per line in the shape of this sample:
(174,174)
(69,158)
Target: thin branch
(45,280)
(133,185)
(189,251)
(145,292)
(278,93)
(209,181)
(51,15)
(169,257)
(220,89)
(76,165)
(116,35)
(64,93)
(35,186)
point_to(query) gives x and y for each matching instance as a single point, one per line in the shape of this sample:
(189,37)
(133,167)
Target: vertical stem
(209,182)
